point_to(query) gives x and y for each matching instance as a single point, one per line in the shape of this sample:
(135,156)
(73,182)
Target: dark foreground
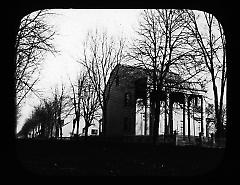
(92,157)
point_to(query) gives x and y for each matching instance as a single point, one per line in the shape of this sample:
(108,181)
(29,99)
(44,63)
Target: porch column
(188,108)
(171,115)
(184,100)
(166,129)
(145,114)
(194,103)
(147,109)
(202,114)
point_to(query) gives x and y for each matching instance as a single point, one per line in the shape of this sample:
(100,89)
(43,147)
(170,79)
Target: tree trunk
(56,130)
(42,130)
(104,119)
(61,131)
(156,122)
(51,130)
(59,126)
(170,116)
(74,123)
(77,120)
(165,119)
(219,124)
(156,102)
(221,108)
(86,129)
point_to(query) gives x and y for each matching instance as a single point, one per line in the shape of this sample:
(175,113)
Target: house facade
(129,108)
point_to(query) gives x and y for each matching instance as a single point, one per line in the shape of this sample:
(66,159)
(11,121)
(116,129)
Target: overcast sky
(72,26)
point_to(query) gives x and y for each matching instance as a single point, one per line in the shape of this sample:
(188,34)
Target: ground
(45,157)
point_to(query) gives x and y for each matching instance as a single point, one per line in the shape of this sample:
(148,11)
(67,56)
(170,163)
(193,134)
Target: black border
(222,11)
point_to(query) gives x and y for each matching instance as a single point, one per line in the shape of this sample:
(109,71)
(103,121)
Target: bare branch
(33,41)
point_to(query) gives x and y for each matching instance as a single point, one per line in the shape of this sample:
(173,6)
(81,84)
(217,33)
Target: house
(129,108)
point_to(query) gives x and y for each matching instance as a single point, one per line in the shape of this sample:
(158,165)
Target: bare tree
(101,54)
(34,39)
(212,45)
(47,117)
(76,99)
(162,48)
(62,109)
(48,125)
(90,105)
(41,119)
(26,128)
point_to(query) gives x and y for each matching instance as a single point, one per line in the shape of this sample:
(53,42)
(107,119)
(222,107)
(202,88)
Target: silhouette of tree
(211,44)
(101,54)
(37,120)
(210,112)
(34,39)
(162,48)
(90,105)
(76,99)
(46,118)
(62,109)
(27,127)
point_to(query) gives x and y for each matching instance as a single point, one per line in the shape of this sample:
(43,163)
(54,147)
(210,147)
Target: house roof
(172,80)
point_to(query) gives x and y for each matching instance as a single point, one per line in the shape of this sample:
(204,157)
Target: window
(127,99)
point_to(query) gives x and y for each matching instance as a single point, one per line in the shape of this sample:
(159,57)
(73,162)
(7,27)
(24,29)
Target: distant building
(129,106)
(93,130)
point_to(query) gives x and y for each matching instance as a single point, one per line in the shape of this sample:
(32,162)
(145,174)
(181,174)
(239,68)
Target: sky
(72,26)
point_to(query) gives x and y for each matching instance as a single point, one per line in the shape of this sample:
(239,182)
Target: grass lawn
(115,158)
